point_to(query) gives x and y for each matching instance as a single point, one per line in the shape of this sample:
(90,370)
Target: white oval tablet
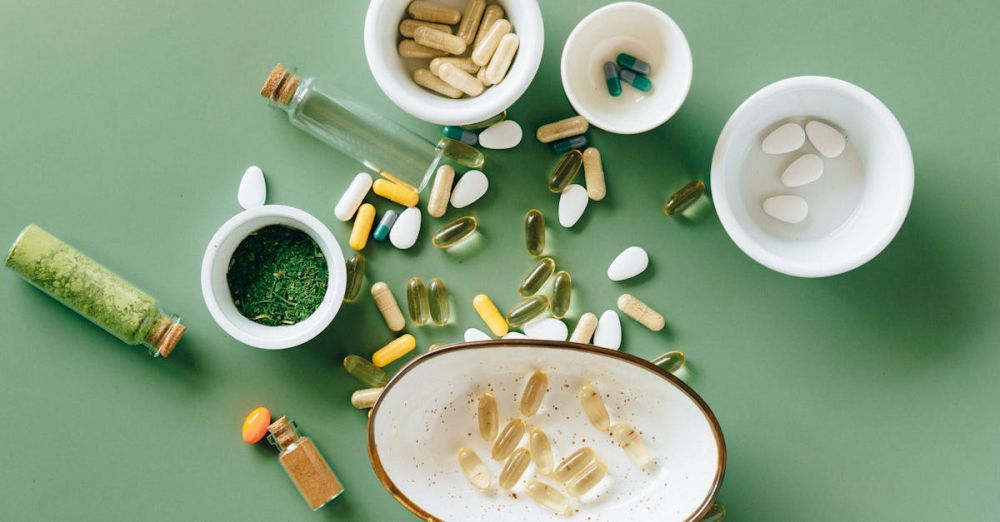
(351,199)
(501,135)
(550,329)
(803,171)
(787,208)
(609,330)
(514,335)
(470,187)
(786,138)
(406,229)
(253,190)
(473,334)
(572,203)
(827,140)
(630,263)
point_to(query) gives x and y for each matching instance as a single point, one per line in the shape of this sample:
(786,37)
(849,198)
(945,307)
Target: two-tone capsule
(528,309)
(514,467)
(454,232)
(541,451)
(565,171)
(631,62)
(574,463)
(460,134)
(635,80)
(534,232)
(440,304)
(385,225)
(363,370)
(395,349)
(508,439)
(417,300)
(611,79)
(534,392)
(474,469)
(535,279)
(576,142)
(355,278)
(562,293)
(488,417)
(626,437)
(593,407)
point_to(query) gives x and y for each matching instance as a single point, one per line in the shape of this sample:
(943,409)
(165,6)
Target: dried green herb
(277,276)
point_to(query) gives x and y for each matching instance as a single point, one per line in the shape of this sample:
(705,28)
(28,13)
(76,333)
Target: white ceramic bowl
(215,289)
(856,208)
(395,74)
(644,32)
(428,411)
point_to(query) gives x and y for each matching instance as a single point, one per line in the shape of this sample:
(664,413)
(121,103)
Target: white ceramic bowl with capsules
(428,411)
(394,74)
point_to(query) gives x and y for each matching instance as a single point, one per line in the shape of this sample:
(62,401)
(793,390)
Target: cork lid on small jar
(280,85)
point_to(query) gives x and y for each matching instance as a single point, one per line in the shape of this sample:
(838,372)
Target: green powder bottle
(93,291)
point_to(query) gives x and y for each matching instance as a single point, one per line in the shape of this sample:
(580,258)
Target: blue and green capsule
(634,64)
(385,225)
(576,142)
(635,80)
(611,79)
(462,135)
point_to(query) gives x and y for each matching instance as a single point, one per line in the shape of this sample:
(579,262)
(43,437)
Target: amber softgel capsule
(593,407)
(508,439)
(534,392)
(474,469)
(488,417)
(514,467)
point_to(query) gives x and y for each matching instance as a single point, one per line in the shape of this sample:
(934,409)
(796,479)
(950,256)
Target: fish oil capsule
(474,10)
(537,277)
(457,133)
(427,80)
(460,80)
(440,40)
(474,469)
(670,361)
(534,232)
(490,315)
(454,232)
(396,348)
(565,128)
(486,123)
(388,306)
(441,191)
(574,463)
(585,481)
(499,64)
(396,192)
(527,310)
(411,49)
(593,407)
(364,399)
(432,12)
(631,62)
(548,496)
(626,437)
(488,417)
(635,80)
(362,226)
(355,277)
(534,392)
(461,153)
(716,513)
(363,370)
(385,225)
(576,142)
(593,174)
(492,13)
(641,312)
(408,26)
(440,306)
(417,301)
(514,468)
(541,451)
(463,63)
(508,439)
(585,327)
(484,50)
(562,293)
(611,79)
(565,171)
(683,198)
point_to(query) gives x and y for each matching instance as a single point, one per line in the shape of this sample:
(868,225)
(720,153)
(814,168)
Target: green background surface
(126,127)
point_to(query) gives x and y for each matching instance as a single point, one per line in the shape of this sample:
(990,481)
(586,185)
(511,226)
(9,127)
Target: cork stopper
(280,85)
(165,335)
(283,432)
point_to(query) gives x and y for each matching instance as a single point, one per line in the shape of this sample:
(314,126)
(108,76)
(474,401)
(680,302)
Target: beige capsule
(593,407)
(460,79)
(462,62)
(564,128)
(593,174)
(508,439)
(474,10)
(585,481)
(437,205)
(364,399)
(427,80)
(626,437)
(502,58)
(481,76)
(574,463)
(440,40)
(514,468)
(584,330)
(548,496)
(483,51)
(541,451)
(640,311)
(388,307)
(411,49)
(406,27)
(432,12)
(488,417)
(474,469)
(493,13)
(534,392)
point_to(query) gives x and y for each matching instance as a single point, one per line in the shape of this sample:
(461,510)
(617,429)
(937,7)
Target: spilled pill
(527,310)
(584,328)
(366,398)
(575,142)
(474,334)
(395,349)
(437,205)
(501,135)
(565,128)
(362,226)
(572,203)
(803,171)
(440,304)
(629,263)
(363,370)
(593,174)
(536,277)
(355,277)
(417,301)
(640,311)
(388,306)
(404,233)
(455,232)
(547,329)
(562,294)
(534,232)
(784,139)
(253,190)
(609,330)
(469,188)
(255,425)
(460,134)
(490,314)
(670,361)
(396,192)
(565,171)
(351,199)
(787,208)
(385,225)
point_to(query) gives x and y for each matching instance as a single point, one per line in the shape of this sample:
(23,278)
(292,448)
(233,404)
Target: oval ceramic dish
(428,411)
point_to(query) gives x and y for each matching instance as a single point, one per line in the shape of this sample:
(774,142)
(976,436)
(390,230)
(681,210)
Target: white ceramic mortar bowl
(394,74)
(215,289)
(886,164)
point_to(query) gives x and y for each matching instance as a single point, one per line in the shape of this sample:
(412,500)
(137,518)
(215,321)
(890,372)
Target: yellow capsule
(584,330)
(626,437)
(488,417)
(585,481)
(441,192)
(432,12)
(593,174)
(411,49)
(508,439)
(474,10)
(364,399)
(683,198)
(362,226)
(640,311)
(417,301)
(493,13)
(670,361)
(490,315)
(716,513)
(499,64)
(548,497)
(388,306)
(427,80)
(565,128)
(593,407)
(396,348)
(439,303)
(574,463)
(255,425)
(474,469)
(534,232)
(562,293)
(527,310)
(447,42)
(484,50)
(460,79)
(536,277)
(534,392)
(408,26)
(565,171)
(396,192)
(462,62)
(514,467)
(454,232)
(541,451)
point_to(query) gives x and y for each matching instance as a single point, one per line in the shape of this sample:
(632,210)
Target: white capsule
(474,334)
(550,329)
(501,135)
(351,199)
(786,138)
(827,140)
(803,171)
(609,330)
(630,263)
(406,229)
(469,188)
(572,204)
(787,208)
(253,190)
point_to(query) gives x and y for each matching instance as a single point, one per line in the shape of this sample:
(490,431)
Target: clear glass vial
(304,464)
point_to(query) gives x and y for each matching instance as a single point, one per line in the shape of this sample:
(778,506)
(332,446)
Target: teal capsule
(355,277)
(363,370)
(576,142)
(385,225)
(527,310)
(460,134)
(631,62)
(635,80)
(611,79)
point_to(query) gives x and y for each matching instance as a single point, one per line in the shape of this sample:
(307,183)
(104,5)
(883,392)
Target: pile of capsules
(630,70)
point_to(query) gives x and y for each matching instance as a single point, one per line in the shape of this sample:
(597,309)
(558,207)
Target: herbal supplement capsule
(474,469)
(255,425)
(541,451)
(388,306)
(455,231)
(716,513)
(417,300)
(385,225)
(508,439)
(641,312)
(576,142)
(474,10)
(396,348)
(362,226)
(426,79)
(493,13)
(488,417)
(547,496)
(408,26)
(441,192)
(411,49)
(490,315)
(432,12)
(353,197)
(527,310)
(462,62)
(460,80)
(561,129)
(635,80)
(593,407)
(396,192)
(485,123)
(534,392)
(593,174)
(484,50)
(447,42)
(537,277)
(670,361)
(534,232)
(584,328)
(683,198)
(626,437)
(355,277)
(562,293)
(499,64)
(456,133)
(481,76)
(585,481)
(440,306)
(364,399)
(631,62)
(565,171)
(611,79)
(514,468)
(574,463)
(363,370)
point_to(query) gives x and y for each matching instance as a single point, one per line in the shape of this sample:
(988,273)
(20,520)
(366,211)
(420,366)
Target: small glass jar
(304,464)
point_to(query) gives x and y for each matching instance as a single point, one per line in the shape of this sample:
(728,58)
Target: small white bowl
(644,32)
(394,74)
(859,206)
(215,288)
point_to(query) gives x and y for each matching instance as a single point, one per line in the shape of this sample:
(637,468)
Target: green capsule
(534,232)
(527,310)
(363,370)
(631,62)
(635,80)
(562,293)
(416,300)
(683,198)
(670,361)
(537,277)
(565,171)
(440,305)
(486,123)
(455,231)
(457,133)
(355,278)
(575,142)
(461,153)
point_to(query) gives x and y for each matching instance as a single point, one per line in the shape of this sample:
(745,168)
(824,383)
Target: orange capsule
(255,425)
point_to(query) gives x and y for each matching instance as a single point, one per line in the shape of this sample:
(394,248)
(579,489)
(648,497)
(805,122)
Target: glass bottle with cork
(304,464)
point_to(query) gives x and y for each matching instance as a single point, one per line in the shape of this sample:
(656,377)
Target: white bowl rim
(414,508)
(775,262)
